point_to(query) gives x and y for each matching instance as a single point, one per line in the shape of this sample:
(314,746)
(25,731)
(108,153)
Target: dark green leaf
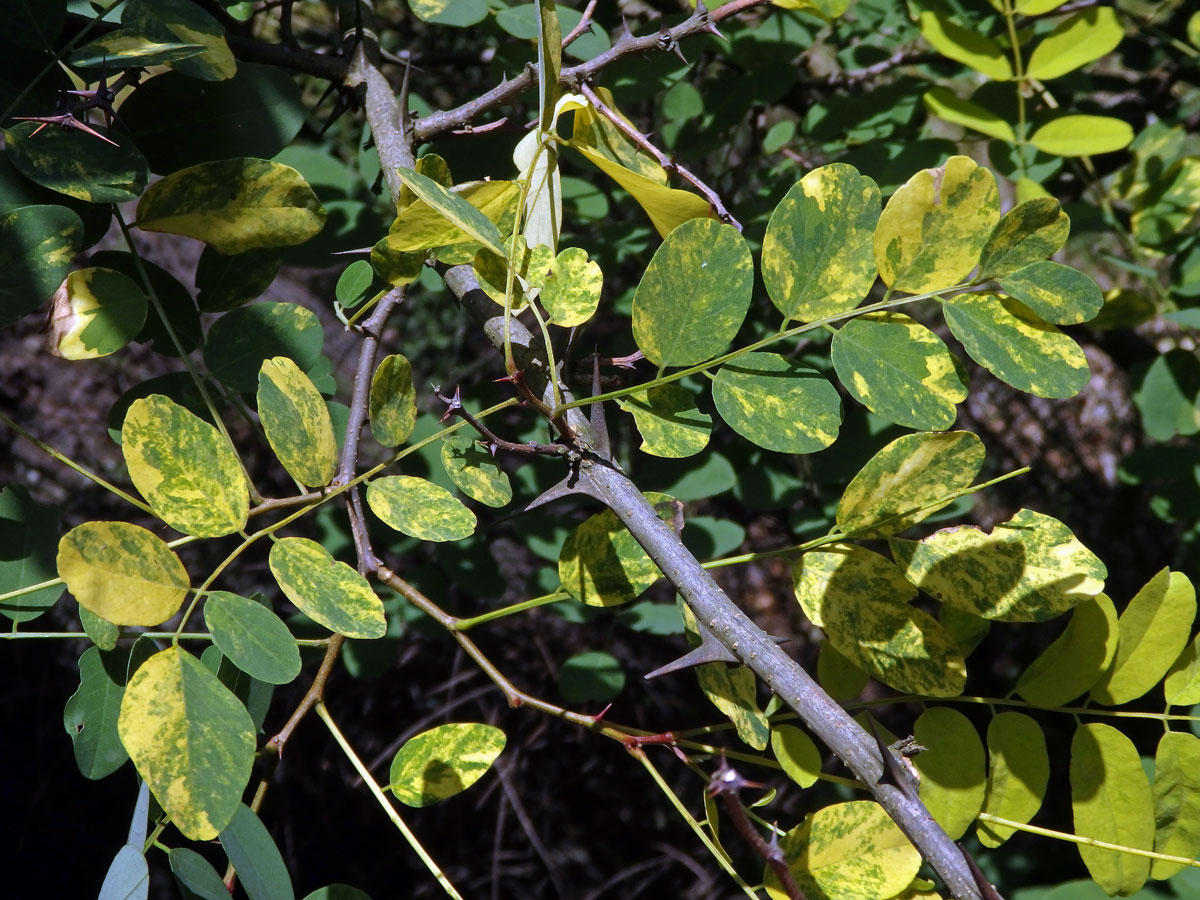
(242,340)
(29,538)
(90,716)
(253,637)
(37,246)
(252,850)
(77,164)
(227,282)
(591,677)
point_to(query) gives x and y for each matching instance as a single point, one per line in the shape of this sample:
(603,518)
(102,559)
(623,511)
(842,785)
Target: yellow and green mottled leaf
(597,133)
(474,471)
(329,592)
(393,401)
(968,47)
(492,272)
(234,205)
(571,290)
(1076,41)
(457,13)
(1082,136)
(467,220)
(1028,233)
(421,225)
(934,227)
(778,403)
(420,508)
(899,370)
(180,20)
(1076,659)
(122,573)
(1112,802)
(123,49)
(796,752)
(861,601)
(252,637)
(1181,687)
(668,208)
(76,164)
(1170,203)
(296,422)
(601,564)
(731,688)
(945,105)
(817,256)
(848,851)
(95,312)
(1006,338)
(1055,292)
(908,480)
(694,295)
(190,738)
(37,246)
(1152,631)
(967,630)
(1029,569)
(443,761)
(667,418)
(184,467)
(1176,801)
(1018,772)
(840,678)
(396,267)
(952,768)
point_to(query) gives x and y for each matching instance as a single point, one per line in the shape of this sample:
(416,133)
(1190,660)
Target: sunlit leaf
(1076,659)
(1028,233)
(474,471)
(953,777)
(393,401)
(456,13)
(945,105)
(667,418)
(963,45)
(179,20)
(123,49)
(456,210)
(329,592)
(1170,204)
(1076,41)
(1176,801)
(778,403)
(797,753)
(122,573)
(1181,687)
(296,422)
(1018,772)
(1055,292)
(733,689)
(191,740)
(571,290)
(1082,135)
(443,761)
(419,508)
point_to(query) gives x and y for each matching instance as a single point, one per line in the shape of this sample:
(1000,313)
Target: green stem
(1018,81)
(468,624)
(995,701)
(156,635)
(1090,842)
(388,808)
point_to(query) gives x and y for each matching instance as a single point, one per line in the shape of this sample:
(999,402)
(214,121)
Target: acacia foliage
(906,291)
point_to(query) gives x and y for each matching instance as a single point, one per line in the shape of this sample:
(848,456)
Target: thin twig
(585,22)
(313,696)
(713,198)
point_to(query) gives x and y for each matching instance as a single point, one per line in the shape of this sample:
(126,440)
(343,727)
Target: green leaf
(1076,41)
(1006,338)
(296,422)
(1181,687)
(422,225)
(667,418)
(329,592)
(796,752)
(95,313)
(354,284)
(396,267)
(128,876)
(934,227)
(968,47)
(234,205)
(256,113)
(443,761)
(252,637)
(909,480)
(37,247)
(77,164)
(254,856)
(1055,292)
(1082,135)
(419,508)
(1029,569)
(841,679)
(571,290)
(778,403)
(817,257)
(29,536)
(953,781)
(90,716)
(1169,394)
(1027,233)
(861,601)
(393,401)
(1176,801)
(733,689)
(1018,772)
(184,467)
(1076,659)
(227,282)
(591,677)
(456,210)
(241,341)
(122,573)
(1169,205)
(191,740)
(456,13)
(601,564)
(851,851)
(1112,802)
(474,471)
(100,631)
(124,49)
(1152,631)
(694,295)
(195,876)
(945,105)
(179,20)
(899,369)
